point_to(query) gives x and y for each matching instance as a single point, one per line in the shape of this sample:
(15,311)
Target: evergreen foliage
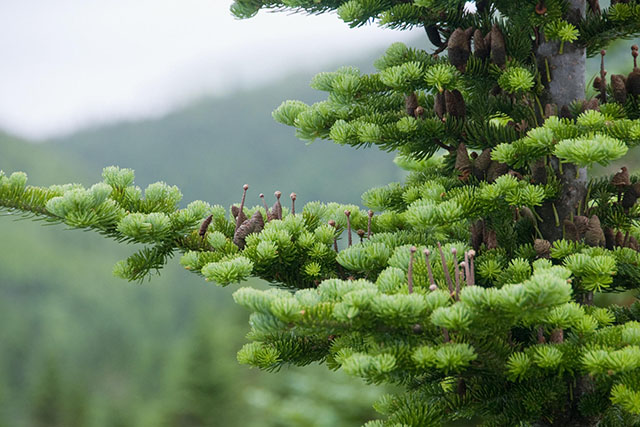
(47,400)
(472,284)
(204,399)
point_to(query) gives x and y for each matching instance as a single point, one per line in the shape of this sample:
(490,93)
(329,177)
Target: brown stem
(472,271)
(332,223)
(432,283)
(244,196)
(442,145)
(293,196)
(266,208)
(456,271)
(445,269)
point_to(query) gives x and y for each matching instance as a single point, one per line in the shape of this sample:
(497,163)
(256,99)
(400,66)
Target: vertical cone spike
(348,215)
(463,271)
(456,272)
(369,224)
(541,339)
(239,219)
(432,283)
(360,234)
(634,53)
(276,209)
(293,196)
(603,81)
(412,252)
(332,223)
(471,278)
(445,334)
(266,208)
(445,269)
(467,273)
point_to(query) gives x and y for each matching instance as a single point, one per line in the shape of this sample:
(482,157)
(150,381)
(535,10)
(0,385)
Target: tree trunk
(567,84)
(567,74)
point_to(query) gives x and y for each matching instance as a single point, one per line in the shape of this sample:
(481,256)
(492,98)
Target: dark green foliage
(203,398)
(47,406)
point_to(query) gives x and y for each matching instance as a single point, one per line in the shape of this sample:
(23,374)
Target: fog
(73,63)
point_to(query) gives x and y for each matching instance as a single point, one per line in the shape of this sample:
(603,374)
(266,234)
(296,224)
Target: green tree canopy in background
(472,284)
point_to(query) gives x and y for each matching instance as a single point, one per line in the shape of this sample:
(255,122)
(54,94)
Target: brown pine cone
(455,103)
(255,224)
(594,235)
(542,248)
(610,238)
(463,163)
(633,82)
(496,170)
(619,87)
(630,197)
(498,47)
(235,211)
(621,179)
(439,106)
(411,103)
(570,231)
(481,49)
(458,49)
(490,238)
(581,223)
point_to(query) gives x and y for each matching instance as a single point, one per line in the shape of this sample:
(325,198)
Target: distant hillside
(211,148)
(45,164)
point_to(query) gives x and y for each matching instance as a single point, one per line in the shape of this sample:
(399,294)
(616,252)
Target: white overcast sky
(72,63)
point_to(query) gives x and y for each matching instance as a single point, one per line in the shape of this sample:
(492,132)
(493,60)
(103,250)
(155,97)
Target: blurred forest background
(81,348)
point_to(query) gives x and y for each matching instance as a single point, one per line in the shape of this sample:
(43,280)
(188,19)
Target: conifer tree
(47,407)
(205,398)
(472,284)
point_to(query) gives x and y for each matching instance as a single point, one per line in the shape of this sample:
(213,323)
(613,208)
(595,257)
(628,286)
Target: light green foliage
(516,79)
(575,143)
(589,150)
(627,398)
(235,270)
(561,31)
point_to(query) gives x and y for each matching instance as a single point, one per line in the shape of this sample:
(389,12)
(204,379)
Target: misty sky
(72,63)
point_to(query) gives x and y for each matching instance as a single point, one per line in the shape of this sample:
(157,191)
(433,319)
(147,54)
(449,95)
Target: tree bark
(567,84)
(564,76)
